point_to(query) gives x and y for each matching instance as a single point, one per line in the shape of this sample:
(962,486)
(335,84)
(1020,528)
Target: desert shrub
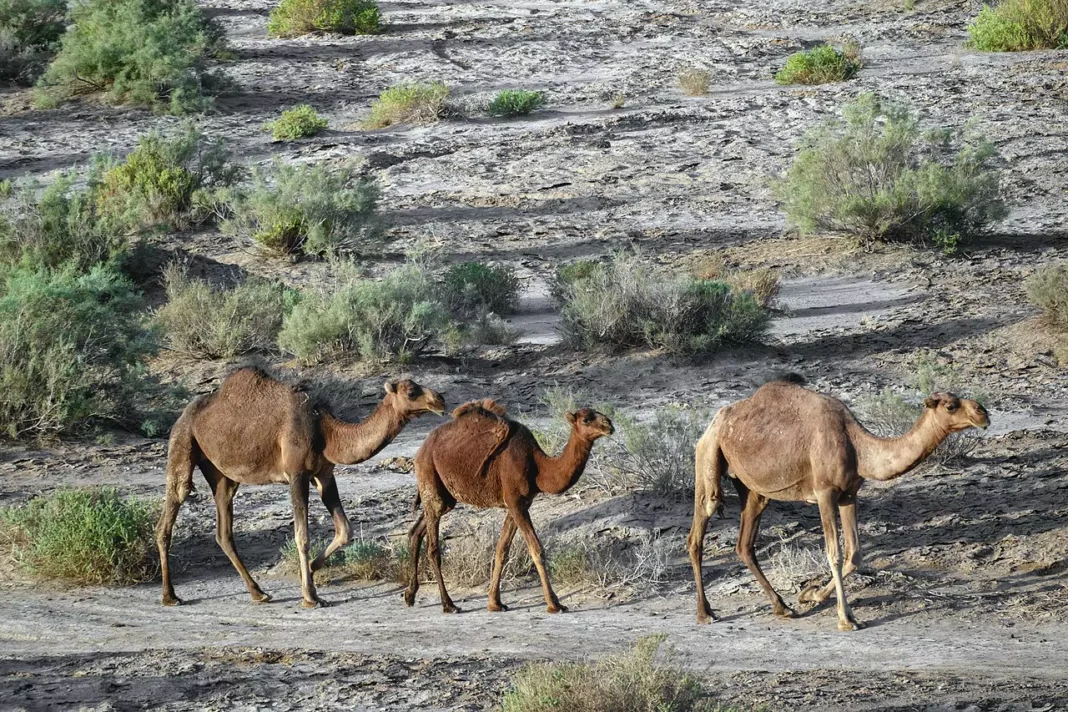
(876,177)
(694,82)
(82,536)
(308,209)
(347,17)
(29,31)
(473,288)
(568,274)
(391,319)
(625,304)
(632,681)
(408,104)
(299,122)
(72,349)
(146,52)
(656,454)
(206,322)
(818,65)
(762,283)
(60,224)
(364,559)
(175,182)
(603,562)
(515,102)
(1047,289)
(1018,25)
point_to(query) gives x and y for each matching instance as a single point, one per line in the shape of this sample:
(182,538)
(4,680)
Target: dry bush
(1047,289)
(408,104)
(608,563)
(792,565)
(694,81)
(764,284)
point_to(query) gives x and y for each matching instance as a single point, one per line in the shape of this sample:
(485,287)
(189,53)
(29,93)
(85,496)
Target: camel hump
(480,407)
(789,377)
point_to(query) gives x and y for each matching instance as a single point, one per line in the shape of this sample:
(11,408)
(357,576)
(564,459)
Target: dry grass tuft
(408,104)
(694,81)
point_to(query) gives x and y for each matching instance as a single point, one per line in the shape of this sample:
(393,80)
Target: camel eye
(951,407)
(588,418)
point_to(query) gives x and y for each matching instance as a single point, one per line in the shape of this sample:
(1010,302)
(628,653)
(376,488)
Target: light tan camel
(791,444)
(485,459)
(257,430)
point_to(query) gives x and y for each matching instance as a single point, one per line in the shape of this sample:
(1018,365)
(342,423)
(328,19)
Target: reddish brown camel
(257,430)
(485,459)
(791,444)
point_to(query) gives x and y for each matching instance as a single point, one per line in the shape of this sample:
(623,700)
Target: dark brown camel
(485,459)
(791,444)
(257,430)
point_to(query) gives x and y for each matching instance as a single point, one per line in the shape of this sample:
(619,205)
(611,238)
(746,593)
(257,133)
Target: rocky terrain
(964,586)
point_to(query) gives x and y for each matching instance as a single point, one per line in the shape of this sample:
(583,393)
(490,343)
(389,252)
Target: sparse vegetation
(364,559)
(656,454)
(293,18)
(205,322)
(146,52)
(1047,289)
(73,349)
(515,102)
(818,65)
(1020,25)
(876,177)
(640,562)
(176,182)
(392,319)
(618,101)
(567,275)
(624,304)
(762,283)
(299,122)
(308,210)
(694,82)
(474,288)
(408,104)
(82,536)
(29,32)
(633,681)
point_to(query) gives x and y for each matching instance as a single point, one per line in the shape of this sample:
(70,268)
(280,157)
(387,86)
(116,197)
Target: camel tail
(182,454)
(711,465)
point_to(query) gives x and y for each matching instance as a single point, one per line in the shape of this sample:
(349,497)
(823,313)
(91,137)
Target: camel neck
(559,474)
(889,458)
(349,443)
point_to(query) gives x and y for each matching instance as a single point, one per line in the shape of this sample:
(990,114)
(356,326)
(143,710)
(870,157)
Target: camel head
(957,413)
(590,424)
(411,399)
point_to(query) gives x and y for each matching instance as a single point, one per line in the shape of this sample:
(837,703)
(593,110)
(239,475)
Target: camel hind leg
(182,456)
(327,486)
(415,542)
(504,546)
(710,468)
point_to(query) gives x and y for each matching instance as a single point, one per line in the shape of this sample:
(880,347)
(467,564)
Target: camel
(788,443)
(483,458)
(257,430)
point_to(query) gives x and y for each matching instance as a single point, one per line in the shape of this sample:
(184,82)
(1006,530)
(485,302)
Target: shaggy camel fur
(483,458)
(257,430)
(791,444)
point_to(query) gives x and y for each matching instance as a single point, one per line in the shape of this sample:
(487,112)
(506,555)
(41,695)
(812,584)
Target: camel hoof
(558,608)
(409,598)
(316,603)
(449,608)
(261,597)
(496,607)
(171,601)
(809,594)
(706,618)
(848,626)
(786,612)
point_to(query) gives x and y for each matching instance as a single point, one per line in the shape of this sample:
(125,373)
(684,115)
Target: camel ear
(391,386)
(570,418)
(930,402)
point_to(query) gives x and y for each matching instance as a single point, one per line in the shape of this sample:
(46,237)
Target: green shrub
(473,288)
(175,182)
(1048,290)
(818,65)
(82,536)
(145,52)
(347,17)
(877,178)
(362,560)
(299,122)
(1019,25)
(408,104)
(72,351)
(657,454)
(625,304)
(60,224)
(694,82)
(515,102)
(308,209)
(29,31)
(633,681)
(566,275)
(391,319)
(203,322)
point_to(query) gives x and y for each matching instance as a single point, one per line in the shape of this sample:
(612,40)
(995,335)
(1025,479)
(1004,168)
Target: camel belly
(478,492)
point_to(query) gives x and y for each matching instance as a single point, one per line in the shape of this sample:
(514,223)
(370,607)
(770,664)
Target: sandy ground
(964,587)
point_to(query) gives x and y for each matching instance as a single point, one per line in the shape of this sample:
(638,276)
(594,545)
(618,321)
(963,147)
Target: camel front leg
(847,510)
(224,490)
(752,507)
(828,501)
(504,547)
(327,486)
(537,554)
(433,524)
(298,494)
(695,543)
(415,543)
